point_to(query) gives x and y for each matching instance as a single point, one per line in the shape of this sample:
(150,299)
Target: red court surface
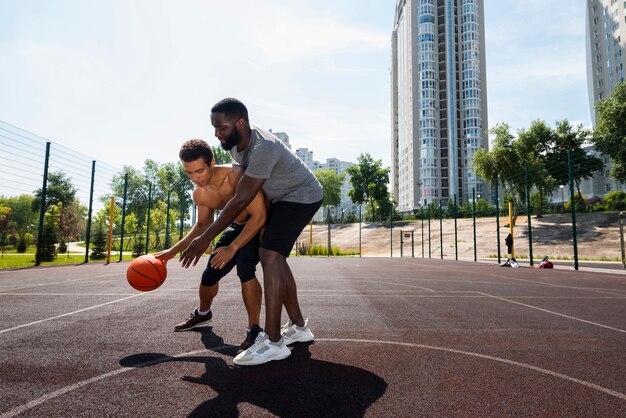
(394,338)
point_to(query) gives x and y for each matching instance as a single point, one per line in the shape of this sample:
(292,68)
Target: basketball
(146,273)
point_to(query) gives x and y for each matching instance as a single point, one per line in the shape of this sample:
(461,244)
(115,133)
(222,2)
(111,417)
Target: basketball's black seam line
(147,277)
(161,275)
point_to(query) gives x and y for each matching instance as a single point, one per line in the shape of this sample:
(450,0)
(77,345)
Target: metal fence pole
(441,229)
(429,250)
(123,216)
(391,231)
(328,221)
(528,212)
(621,237)
(360,220)
(422,219)
(88,234)
(148,223)
(474,217)
(42,206)
(498,218)
(570,162)
(168,239)
(456,238)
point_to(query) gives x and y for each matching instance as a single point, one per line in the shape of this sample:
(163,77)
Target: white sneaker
(294,334)
(262,351)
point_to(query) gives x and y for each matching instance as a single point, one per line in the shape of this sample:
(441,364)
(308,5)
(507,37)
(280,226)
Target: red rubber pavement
(394,337)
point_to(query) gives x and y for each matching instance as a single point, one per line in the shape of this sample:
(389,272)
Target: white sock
(203,313)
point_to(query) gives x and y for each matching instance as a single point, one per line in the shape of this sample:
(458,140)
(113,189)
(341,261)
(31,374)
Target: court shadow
(295,387)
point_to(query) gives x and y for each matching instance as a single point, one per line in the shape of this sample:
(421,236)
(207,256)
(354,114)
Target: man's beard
(232,140)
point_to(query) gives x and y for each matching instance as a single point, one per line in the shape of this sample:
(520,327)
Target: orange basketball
(146,273)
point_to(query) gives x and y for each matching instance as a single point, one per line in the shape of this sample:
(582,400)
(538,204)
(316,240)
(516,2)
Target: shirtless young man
(238,245)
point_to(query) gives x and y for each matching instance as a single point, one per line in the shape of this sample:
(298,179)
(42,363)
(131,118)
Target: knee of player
(269,256)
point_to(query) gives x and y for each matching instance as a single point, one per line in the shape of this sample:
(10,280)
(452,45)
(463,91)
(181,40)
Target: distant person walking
(293,196)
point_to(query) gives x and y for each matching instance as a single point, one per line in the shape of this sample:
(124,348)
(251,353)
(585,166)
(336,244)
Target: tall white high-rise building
(439,101)
(606,48)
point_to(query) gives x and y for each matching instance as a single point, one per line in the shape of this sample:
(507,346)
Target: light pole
(562,198)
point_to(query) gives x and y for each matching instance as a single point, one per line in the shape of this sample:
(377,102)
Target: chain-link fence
(40,181)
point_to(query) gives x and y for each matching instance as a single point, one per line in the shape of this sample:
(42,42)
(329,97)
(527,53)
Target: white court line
(553,313)
(68,314)
(30,286)
(36,402)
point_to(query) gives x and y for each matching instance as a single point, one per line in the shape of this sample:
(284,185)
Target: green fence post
(474,218)
(528,212)
(88,234)
(148,223)
(456,237)
(441,229)
(123,216)
(42,206)
(570,163)
(497,218)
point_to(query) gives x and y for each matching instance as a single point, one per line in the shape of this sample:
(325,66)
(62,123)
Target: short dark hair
(232,108)
(195,148)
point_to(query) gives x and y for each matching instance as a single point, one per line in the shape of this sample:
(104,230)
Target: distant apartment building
(283,137)
(606,48)
(346,206)
(439,101)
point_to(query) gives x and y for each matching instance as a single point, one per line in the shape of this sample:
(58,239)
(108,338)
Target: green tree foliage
(504,163)
(331,183)
(369,182)
(136,195)
(221,156)
(568,138)
(610,133)
(534,145)
(7,227)
(616,200)
(22,213)
(59,190)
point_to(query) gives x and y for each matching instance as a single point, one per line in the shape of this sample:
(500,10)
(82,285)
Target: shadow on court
(297,387)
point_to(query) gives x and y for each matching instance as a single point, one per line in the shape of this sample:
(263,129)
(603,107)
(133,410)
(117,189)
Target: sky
(123,81)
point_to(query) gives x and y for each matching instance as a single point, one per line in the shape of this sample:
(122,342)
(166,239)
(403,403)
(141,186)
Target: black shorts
(285,222)
(246,258)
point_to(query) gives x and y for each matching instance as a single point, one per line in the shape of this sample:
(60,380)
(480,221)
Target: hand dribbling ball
(146,273)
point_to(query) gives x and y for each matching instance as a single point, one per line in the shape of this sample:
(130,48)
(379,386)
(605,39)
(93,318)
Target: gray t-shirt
(287,178)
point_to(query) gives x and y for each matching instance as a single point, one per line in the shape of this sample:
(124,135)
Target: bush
(62,247)
(21,245)
(138,248)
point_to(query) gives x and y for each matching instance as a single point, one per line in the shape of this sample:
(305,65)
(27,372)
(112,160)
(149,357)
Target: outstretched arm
(247,188)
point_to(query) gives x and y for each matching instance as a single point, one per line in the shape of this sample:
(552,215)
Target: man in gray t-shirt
(294,195)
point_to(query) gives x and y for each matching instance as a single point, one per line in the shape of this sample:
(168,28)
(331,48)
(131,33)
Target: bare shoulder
(203,196)
(236,171)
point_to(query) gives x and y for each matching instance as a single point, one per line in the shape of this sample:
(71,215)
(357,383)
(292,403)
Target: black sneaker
(195,320)
(250,337)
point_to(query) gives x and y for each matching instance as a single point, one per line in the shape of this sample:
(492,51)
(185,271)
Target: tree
(610,133)
(71,221)
(21,212)
(369,182)
(568,138)
(503,163)
(6,226)
(534,145)
(331,183)
(136,194)
(58,190)
(221,156)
